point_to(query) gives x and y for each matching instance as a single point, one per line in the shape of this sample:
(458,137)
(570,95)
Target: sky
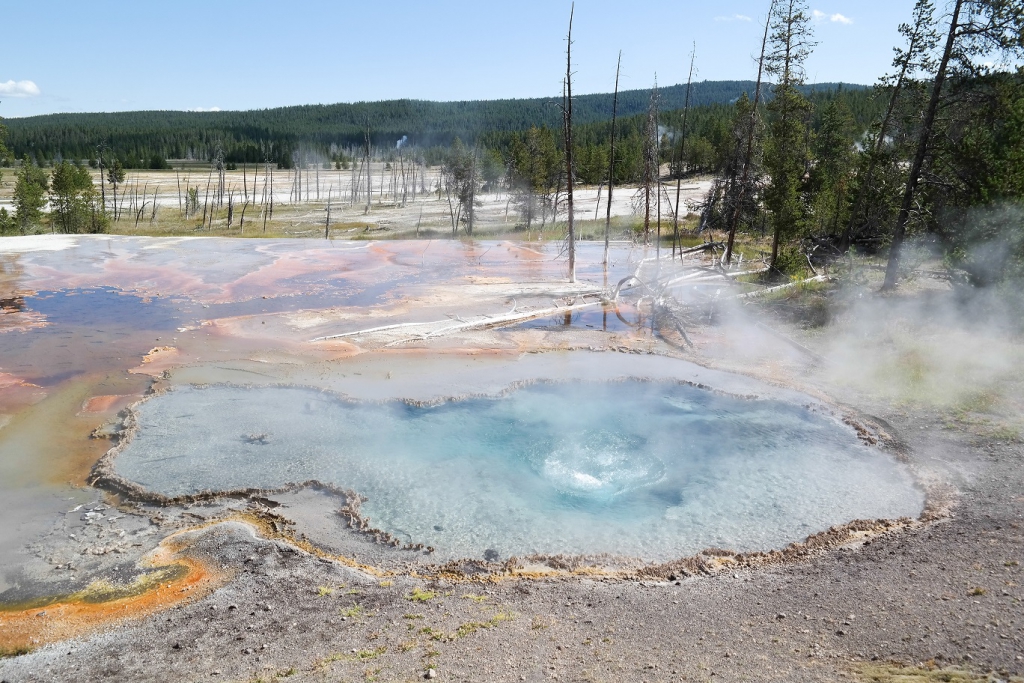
(70,56)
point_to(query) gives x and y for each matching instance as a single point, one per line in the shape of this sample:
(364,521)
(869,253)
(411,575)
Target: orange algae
(157,360)
(182,578)
(107,403)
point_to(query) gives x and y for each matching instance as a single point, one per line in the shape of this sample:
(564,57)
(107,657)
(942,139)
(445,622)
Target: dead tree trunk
(681,157)
(869,173)
(734,215)
(241,220)
(327,223)
(567,117)
(206,199)
(471,209)
(178,181)
(924,138)
(369,186)
(103,186)
(611,163)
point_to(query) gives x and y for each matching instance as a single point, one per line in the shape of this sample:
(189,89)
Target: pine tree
(72,200)
(29,195)
(831,176)
(786,153)
(977,30)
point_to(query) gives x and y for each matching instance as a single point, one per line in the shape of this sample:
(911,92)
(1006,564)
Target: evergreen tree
(830,179)
(534,170)
(29,195)
(879,168)
(786,153)
(458,180)
(72,200)
(4,154)
(978,29)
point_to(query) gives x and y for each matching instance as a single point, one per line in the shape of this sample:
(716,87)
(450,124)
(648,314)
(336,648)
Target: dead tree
(681,156)
(923,145)
(241,220)
(206,199)
(369,185)
(327,223)
(921,40)
(650,171)
(220,177)
(471,204)
(611,163)
(734,215)
(178,181)
(567,119)
(103,185)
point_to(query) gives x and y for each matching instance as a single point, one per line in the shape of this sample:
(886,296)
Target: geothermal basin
(643,469)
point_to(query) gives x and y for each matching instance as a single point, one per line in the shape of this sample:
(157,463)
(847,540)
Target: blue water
(653,470)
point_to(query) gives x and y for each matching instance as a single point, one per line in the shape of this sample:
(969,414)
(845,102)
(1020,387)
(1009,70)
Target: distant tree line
(330,132)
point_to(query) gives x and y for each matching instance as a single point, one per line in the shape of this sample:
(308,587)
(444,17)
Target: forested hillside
(274,134)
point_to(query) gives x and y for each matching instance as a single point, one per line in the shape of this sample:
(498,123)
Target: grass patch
(472,627)
(359,656)
(978,402)
(420,595)
(1005,433)
(14,652)
(353,611)
(467,629)
(386,584)
(432,634)
(539,624)
(324,591)
(475,598)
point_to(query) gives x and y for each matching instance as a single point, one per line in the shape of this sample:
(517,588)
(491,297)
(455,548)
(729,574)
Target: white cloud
(19,89)
(836,18)
(735,17)
(205,109)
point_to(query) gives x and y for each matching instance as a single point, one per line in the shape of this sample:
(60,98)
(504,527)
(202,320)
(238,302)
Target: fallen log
(779,288)
(499,321)
(703,247)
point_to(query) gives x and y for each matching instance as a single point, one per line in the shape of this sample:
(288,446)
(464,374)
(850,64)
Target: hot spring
(655,470)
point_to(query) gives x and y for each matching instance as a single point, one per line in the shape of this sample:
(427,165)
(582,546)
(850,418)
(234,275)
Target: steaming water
(654,470)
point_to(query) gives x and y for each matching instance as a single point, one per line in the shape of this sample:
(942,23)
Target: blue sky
(66,56)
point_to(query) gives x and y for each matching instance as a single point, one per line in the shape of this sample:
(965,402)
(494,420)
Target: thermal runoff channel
(654,470)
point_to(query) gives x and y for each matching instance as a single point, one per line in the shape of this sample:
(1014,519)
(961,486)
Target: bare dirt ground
(936,601)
